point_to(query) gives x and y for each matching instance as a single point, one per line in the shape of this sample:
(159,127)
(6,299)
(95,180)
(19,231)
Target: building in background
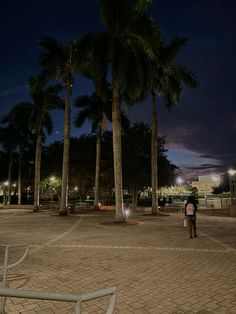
(205,184)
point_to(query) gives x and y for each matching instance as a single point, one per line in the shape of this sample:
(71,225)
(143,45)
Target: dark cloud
(12,91)
(205,156)
(205,167)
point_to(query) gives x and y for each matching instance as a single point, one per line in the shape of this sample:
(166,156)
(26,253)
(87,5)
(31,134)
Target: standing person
(127,210)
(190,216)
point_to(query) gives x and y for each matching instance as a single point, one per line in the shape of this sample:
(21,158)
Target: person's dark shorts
(193,217)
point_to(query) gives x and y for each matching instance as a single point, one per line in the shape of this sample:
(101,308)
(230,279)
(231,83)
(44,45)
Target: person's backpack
(190,209)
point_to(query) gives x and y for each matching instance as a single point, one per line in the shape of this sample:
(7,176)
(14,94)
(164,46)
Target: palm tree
(95,110)
(166,80)
(98,112)
(61,62)
(8,139)
(44,99)
(16,137)
(122,47)
(136,159)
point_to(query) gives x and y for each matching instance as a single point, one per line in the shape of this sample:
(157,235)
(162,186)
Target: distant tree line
(136,142)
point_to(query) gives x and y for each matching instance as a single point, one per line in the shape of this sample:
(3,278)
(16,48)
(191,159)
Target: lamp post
(52,179)
(232,184)
(5,184)
(28,191)
(76,189)
(179,180)
(14,188)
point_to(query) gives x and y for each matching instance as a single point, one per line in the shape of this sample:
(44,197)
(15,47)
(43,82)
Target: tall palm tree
(95,110)
(16,137)
(166,80)
(8,139)
(61,62)
(98,111)
(44,98)
(120,48)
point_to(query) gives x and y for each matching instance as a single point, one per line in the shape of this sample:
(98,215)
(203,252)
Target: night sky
(201,131)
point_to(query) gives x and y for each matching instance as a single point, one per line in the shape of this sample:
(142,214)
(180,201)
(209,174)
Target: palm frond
(187,77)
(53,59)
(53,50)
(50,44)
(82,101)
(80,118)
(36,83)
(146,26)
(8,138)
(53,89)
(141,44)
(141,6)
(84,44)
(18,114)
(48,123)
(53,101)
(115,14)
(94,59)
(170,51)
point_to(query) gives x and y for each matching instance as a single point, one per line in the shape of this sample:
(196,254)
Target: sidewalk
(154,265)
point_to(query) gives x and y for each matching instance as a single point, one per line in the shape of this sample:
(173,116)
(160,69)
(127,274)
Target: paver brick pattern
(154,265)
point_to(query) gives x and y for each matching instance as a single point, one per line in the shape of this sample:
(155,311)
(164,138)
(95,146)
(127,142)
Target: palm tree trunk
(19,181)
(155,209)
(116,134)
(9,178)
(67,188)
(97,174)
(66,153)
(37,166)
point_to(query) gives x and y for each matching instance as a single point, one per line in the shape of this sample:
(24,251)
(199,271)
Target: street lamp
(179,180)
(28,191)
(52,194)
(231,172)
(52,179)
(232,184)
(5,184)
(216,178)
(76,189)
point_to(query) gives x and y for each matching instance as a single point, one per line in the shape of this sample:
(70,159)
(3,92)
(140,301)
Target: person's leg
(190,228)
(194,228)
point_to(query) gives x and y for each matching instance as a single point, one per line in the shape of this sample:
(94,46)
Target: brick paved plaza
(154,265)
